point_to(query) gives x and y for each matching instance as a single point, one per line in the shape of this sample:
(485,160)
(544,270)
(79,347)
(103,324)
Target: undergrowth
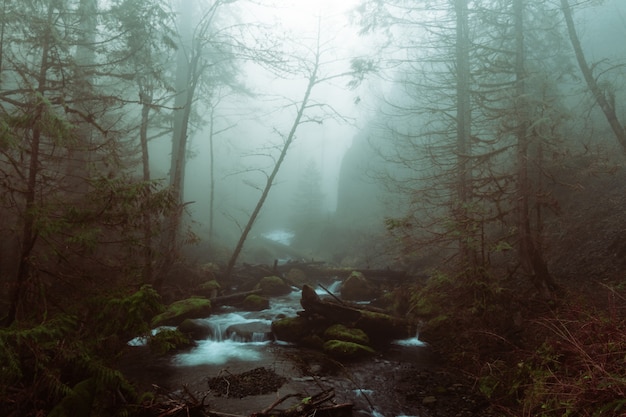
(46,366)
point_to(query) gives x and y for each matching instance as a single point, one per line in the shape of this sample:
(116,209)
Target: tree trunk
(270,180)
(146,102)
(463,134)
(607,106)
(530,256)
(29,231)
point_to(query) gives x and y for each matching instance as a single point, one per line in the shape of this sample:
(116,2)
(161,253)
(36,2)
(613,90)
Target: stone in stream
(256,331)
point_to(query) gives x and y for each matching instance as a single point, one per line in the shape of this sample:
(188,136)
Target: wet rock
(194,329)
(178,311)
(341,332)
(347,350)
(273,286)
(357,288)
(255,302)
(249,332)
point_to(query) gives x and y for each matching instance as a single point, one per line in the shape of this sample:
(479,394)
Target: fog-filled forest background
(475,144)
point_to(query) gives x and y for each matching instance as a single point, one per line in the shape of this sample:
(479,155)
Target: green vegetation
(178,311)
(347,350)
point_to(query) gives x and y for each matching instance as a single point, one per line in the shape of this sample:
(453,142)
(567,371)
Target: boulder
(273,286)
(341,332)
(291,329)
(254,302)
(256,331)
(178,311)
(209,288)
(347,350)
(357,288)
(195,329)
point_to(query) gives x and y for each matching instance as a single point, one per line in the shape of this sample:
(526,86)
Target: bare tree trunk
(530,256)
(463,132)
(29,230)
(606,104)
(312,81)
(146,102)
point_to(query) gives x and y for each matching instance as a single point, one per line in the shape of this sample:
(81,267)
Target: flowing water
(240,341)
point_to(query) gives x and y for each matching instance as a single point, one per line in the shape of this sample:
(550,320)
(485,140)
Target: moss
(273,286)
(291,329)
(255,302)
(347,350)
(178,311)
(341,332)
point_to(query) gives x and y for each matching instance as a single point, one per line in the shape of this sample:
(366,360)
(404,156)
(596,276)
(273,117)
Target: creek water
(240,341)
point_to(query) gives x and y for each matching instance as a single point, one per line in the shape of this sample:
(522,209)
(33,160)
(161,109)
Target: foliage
(580,369)
(168,340)
(44,363)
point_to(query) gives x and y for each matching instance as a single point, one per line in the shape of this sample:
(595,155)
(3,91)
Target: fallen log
(380,327)
(236,298)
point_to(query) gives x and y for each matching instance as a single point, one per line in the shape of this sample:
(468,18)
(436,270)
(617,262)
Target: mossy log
(379,327)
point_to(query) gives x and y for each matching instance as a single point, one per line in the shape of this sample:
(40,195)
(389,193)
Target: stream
(394,383)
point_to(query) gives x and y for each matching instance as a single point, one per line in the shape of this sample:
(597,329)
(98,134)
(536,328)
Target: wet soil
(401,381)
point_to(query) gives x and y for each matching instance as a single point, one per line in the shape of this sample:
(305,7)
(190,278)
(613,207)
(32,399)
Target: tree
(312,68)
(604,98)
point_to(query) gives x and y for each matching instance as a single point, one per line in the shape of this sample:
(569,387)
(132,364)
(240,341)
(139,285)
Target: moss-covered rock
(291,329)
(194,329)
(357,287)
(347,350)
(383,327)
(210,288)
(178,311)
(341,332)
(254,302)
(273,286)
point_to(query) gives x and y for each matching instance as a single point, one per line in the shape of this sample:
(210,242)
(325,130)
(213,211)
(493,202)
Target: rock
(291,329)
(347,350)
(357,288)
(255,302)
(209,288)
(341,332)
(256,331)
(178,311)
(273,286)
(296,277)
(195,329)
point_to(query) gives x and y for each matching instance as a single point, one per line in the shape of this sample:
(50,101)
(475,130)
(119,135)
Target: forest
(158,151)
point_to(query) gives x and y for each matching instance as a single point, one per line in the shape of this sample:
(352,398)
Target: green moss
(291,329)
(341,332)
(255,302)
(178,311)
(347,350)
(273,286)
